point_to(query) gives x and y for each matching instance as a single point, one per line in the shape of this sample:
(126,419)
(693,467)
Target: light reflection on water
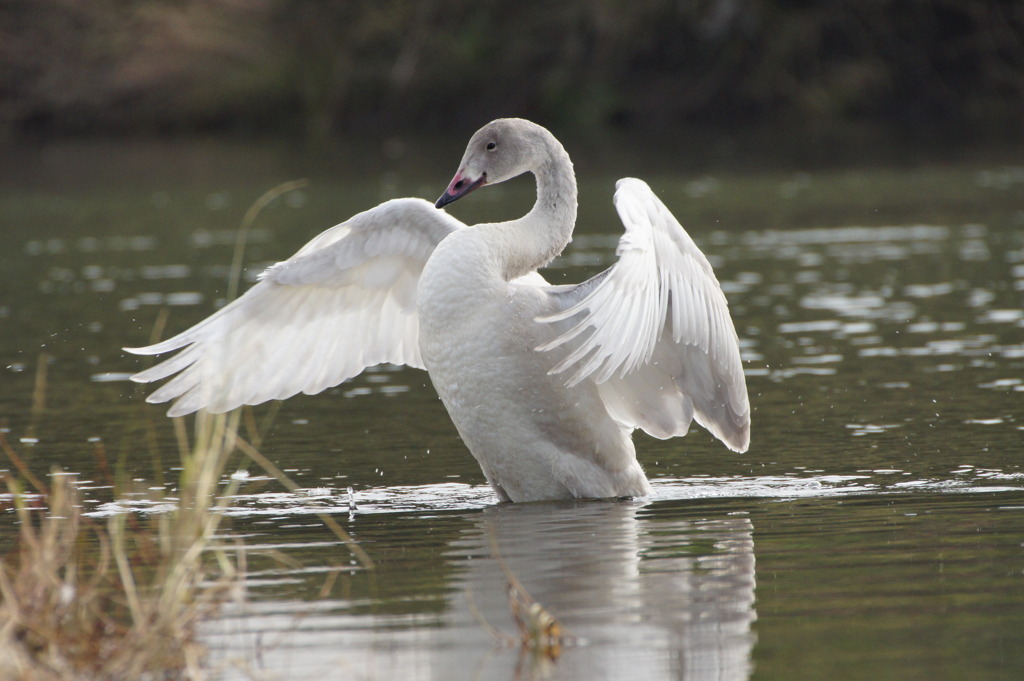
(885,364)
(456,496)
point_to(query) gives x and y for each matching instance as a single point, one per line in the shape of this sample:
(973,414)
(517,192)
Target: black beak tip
(445,199)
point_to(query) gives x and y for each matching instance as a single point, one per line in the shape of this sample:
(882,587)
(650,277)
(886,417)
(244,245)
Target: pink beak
(458,188)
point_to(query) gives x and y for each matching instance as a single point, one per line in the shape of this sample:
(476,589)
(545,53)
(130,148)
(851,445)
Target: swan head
(499,151)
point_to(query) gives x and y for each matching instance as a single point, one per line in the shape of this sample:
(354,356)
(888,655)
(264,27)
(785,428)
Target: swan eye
(491,146)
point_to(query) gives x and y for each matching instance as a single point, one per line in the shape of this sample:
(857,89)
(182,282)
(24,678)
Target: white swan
(544,383)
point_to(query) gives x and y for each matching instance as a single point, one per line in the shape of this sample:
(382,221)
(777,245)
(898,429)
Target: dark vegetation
(323,67)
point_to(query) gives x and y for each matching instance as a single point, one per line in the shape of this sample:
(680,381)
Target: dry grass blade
(116,600)
(247,223)
(19,463)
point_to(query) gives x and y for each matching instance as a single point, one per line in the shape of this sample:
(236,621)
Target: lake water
(875,529)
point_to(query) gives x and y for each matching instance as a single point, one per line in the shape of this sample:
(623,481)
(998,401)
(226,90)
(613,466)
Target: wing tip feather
(737,439)
(144,350)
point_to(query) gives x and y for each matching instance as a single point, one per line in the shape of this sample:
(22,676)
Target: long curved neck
(535,239)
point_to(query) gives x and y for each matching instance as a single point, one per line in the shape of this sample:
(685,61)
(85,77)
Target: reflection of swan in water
(649,596)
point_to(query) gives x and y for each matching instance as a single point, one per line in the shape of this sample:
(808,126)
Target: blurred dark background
(323,68)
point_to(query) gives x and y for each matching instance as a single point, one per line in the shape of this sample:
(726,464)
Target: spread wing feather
(654,331)
(345,301)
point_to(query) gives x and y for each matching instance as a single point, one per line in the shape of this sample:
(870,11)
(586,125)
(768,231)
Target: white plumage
(544,383)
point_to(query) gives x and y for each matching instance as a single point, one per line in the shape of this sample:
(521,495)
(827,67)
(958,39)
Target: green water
(875,529)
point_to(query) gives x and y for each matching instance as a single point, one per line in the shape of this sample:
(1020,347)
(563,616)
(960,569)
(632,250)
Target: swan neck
(541,234)
(556,189)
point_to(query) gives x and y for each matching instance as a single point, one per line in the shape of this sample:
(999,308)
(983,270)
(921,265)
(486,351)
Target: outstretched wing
(654,331)
(345,301)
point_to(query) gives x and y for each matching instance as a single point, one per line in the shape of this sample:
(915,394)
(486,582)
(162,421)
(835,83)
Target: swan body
(545,384)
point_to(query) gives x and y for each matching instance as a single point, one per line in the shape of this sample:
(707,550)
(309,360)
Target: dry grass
(118,599)
(121,598)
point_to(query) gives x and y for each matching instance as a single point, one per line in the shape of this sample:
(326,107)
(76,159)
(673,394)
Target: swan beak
(459,187)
